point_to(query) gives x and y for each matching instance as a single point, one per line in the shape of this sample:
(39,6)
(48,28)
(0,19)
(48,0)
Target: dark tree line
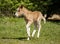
(8,7)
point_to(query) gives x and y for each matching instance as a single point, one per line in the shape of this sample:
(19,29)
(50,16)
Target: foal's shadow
(20,38)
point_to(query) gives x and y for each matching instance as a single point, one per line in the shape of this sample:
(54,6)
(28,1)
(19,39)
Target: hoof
(37,36)
(28,38)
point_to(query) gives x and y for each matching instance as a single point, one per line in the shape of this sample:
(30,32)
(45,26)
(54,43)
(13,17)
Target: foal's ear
(21,6)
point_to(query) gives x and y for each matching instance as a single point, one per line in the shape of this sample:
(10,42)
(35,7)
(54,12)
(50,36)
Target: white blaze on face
(16,14)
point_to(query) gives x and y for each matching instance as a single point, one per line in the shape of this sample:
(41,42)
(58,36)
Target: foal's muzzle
(16,14)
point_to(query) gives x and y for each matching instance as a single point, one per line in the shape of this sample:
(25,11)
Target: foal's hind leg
(39,28)
(35,27)
(28,29)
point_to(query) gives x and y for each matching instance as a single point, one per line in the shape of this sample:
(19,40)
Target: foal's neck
(26,13)
(25,10)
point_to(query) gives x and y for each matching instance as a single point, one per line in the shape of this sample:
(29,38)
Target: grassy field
(13,31)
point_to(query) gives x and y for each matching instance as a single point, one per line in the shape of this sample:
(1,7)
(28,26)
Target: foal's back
(36,15)
(32,15)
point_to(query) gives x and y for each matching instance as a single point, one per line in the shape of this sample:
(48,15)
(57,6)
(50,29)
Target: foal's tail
(44,19)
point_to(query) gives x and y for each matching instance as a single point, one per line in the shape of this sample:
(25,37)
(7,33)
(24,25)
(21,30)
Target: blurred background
(49,7)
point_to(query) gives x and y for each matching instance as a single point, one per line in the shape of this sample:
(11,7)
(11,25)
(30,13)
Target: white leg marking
(33,33)
(35,27)
(39,28)
(28,38)
(28,29)
(38,32)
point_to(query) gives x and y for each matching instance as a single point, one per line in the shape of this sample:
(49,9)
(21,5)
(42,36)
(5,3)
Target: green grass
(13,31)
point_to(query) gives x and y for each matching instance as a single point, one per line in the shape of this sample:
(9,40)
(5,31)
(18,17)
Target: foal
(31,17)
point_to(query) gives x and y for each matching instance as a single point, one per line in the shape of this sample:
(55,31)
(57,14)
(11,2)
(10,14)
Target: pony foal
(31,17)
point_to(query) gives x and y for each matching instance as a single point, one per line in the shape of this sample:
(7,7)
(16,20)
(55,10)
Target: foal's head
(19,11)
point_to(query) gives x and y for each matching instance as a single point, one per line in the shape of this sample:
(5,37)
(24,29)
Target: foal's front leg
(28,29)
